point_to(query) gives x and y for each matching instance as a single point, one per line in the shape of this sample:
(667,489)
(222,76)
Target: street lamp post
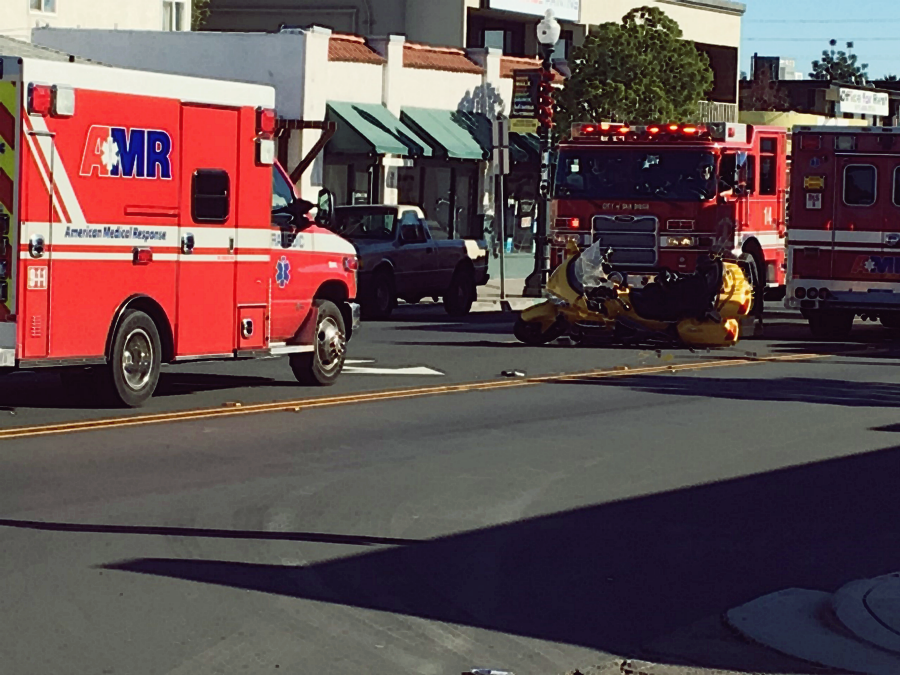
(548,31)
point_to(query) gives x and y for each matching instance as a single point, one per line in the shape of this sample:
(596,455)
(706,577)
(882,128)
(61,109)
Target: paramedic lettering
(127,153)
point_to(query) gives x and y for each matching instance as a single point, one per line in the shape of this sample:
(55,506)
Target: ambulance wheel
(134,361)
(322,366)
(460,296)
(829,325)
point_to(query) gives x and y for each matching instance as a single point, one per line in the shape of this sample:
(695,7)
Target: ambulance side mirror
(325,213)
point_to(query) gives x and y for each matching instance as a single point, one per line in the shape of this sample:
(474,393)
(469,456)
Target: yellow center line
(377,396)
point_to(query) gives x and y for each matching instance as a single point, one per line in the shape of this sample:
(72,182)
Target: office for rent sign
(859,102)
(564,10)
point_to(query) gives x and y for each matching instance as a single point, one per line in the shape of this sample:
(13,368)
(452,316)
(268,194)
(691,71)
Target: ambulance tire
(322,366)
(134,362)
(829,325)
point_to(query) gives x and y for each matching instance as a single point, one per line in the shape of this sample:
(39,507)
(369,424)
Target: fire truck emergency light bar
(608,131)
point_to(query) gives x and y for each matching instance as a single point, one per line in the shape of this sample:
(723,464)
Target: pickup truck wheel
(381,298)
(459,297)
(133,371)
(322,366)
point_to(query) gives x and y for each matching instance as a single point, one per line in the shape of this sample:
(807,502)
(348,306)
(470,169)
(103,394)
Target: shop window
(210,196)
(45,6)
(173,15)
(860,185)
(768,175)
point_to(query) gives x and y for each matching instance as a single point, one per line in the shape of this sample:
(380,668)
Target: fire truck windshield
(644,174)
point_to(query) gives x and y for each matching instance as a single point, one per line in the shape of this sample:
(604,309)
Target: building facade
(19,17)
(507,25)
(772,88)
(412,122)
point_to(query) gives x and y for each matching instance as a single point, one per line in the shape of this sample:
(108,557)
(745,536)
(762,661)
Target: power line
(837,21)
(825,39)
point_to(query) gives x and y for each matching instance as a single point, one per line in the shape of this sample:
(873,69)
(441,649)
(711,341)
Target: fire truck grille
(632,238)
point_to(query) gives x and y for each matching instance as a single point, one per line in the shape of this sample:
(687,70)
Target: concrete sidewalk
(489,296)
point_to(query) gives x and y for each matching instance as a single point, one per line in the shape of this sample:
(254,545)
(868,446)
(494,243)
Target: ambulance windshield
(636,174)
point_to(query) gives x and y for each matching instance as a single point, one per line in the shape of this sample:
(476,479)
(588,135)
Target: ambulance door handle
(892,239)
(187,244)
(36,246)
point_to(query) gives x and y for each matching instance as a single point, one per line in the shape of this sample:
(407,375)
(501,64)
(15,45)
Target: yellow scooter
(586,298)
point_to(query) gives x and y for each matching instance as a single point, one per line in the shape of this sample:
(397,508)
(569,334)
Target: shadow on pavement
(617,576)
(796,389)
(45,391)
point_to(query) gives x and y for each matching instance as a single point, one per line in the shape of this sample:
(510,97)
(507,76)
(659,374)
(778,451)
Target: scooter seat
(681,297)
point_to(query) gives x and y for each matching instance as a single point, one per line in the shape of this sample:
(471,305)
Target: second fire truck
(662,195)
(844,238)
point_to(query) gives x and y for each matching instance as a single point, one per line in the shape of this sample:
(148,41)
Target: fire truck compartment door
(206,316)
(863,213)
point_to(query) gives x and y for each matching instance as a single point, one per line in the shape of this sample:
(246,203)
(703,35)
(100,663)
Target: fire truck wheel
(322,366)
(829,325)
(459,297)
(133,371)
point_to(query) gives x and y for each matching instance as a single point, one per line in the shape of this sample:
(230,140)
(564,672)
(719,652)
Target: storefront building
(508,25)
(411,122)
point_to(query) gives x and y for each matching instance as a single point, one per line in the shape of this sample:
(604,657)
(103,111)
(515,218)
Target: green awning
(368,127)
(449,132)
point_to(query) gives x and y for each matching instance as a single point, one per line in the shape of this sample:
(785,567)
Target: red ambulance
(144,221)
(661,195)
(844,237)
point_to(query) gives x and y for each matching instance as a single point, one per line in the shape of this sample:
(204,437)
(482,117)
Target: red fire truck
(662,195)
(844,236)
(144,221)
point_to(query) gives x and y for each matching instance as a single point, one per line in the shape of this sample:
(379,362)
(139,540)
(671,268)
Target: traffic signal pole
(535,281)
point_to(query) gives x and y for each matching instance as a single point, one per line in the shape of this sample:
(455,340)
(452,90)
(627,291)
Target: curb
(509,305)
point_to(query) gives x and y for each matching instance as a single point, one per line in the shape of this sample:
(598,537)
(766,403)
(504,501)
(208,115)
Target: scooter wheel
(530,332)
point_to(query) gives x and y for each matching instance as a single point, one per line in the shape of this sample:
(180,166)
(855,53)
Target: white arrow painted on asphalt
(351,368)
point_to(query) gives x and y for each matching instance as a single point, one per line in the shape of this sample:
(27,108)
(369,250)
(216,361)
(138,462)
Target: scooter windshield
(589,266)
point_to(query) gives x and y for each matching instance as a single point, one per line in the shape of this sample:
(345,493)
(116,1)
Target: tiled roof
(510,63)
(26,50)
(438,58)
(352,48)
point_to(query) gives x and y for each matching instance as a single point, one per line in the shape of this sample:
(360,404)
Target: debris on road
(514,373)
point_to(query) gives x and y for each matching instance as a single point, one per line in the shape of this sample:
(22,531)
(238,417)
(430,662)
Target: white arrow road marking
(369,370)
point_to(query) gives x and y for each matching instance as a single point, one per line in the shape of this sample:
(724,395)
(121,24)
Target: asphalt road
(535,528)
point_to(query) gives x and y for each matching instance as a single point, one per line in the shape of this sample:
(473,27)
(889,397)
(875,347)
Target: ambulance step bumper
(852,300)
(355,316)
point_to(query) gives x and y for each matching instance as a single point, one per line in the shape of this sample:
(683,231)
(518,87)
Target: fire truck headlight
(562,238)
(678,242)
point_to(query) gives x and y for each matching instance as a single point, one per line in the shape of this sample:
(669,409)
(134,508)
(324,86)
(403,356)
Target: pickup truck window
(282,195)
(365,225)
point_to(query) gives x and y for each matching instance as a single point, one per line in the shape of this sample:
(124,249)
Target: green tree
(890,78)
(840,66)
(637,71)
(199,13)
